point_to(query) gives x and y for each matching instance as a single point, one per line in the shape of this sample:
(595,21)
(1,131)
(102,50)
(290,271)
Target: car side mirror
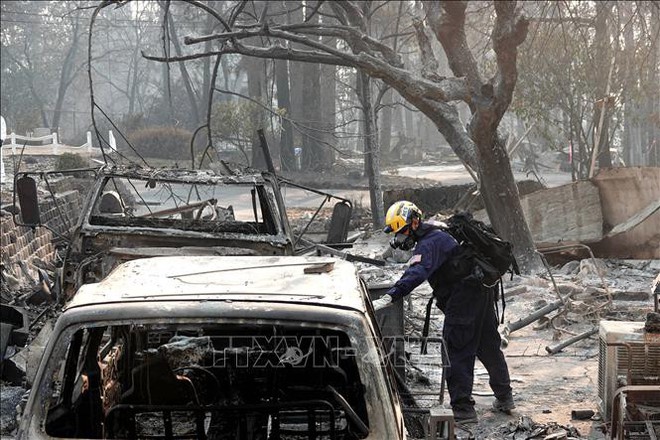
(26,188)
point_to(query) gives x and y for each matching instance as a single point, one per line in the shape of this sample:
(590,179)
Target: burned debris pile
(525,428)
(569,301)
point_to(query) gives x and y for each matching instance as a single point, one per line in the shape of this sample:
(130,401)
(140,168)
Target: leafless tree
(476,143)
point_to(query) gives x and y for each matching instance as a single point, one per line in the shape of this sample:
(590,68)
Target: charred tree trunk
(206,63)
(255,76)
(284,105)
(66,76)
(604,156)
(295,74)
(207,73)
(296,94)
(629,88)
(386,123)
(185,76)
(312,155)
(166,77)
(489,101)
(410,127)
(499,190)
(653,103)
(371,153)
(397,118)
(328,106)
(602,68)
(133,88)
(315,156)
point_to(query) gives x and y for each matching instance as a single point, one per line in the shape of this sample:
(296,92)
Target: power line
(70,17)
(45,23)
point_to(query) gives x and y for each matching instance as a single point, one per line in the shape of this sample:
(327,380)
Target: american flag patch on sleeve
(417,258)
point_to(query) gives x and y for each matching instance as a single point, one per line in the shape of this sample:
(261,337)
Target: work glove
(382,302)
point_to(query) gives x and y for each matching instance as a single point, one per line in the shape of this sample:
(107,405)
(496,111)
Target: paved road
(457,175)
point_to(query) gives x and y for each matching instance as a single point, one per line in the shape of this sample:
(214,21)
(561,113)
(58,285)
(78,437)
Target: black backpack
(479,245)
(480,242)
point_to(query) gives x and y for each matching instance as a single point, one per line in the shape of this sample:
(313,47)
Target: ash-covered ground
(547,387)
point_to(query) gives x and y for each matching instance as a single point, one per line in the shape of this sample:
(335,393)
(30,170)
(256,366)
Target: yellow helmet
(401,214)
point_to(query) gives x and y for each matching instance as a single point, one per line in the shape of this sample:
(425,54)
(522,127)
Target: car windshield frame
(205,211)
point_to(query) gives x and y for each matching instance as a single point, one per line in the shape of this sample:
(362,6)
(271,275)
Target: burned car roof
(192,176)
(207,278)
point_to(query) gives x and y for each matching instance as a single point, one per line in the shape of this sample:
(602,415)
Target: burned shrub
(161,142)
(70,161)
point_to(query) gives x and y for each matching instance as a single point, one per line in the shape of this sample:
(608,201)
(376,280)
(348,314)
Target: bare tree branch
(587,22)
(447,20)
(350,35)
(430,64)
(448,89)
(509,32)
(273,52)
(299,30)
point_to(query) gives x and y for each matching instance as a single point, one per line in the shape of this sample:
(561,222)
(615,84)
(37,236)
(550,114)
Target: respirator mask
(402,241)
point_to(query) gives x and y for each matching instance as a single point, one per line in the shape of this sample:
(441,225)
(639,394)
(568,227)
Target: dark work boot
(504,404)
(465,414)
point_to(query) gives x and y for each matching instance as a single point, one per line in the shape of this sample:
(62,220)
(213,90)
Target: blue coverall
(470,326)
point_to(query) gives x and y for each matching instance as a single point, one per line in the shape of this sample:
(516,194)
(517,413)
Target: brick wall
(23,248)
(61,213)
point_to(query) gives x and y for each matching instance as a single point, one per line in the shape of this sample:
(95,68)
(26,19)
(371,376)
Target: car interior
(208,381)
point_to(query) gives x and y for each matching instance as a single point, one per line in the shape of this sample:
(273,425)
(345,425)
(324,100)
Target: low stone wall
(436,199)
(429,200)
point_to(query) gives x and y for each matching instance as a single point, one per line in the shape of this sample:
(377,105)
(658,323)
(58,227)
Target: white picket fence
(16,142)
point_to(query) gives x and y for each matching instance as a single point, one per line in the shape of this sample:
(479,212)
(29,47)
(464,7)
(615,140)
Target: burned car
(139,212)
(143,212)
(217,347)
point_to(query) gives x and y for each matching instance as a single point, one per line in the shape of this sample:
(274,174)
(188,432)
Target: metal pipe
(553,349)
(517,325)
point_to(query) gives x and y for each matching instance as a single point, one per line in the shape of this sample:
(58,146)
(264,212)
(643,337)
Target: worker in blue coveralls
(470,325)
